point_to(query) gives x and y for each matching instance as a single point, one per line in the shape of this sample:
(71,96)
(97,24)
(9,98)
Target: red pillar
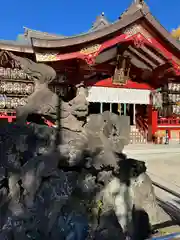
(152,122)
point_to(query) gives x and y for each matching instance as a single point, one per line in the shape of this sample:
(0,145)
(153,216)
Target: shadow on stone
(142,226)
(69,182)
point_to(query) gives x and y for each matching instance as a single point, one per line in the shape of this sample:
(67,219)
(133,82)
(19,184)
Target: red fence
(11,117)
(169,121)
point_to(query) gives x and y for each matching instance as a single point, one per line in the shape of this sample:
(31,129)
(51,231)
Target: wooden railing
(142,126)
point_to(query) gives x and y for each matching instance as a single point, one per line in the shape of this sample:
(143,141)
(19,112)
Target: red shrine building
(130,67)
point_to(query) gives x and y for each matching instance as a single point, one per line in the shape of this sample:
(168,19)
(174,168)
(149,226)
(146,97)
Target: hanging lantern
(157,101)
(15,102)
(17,88)
(122,70)
(1,72)
(23,88)
(8,102)
(29,88)
(3,87)
(2,101)
(9,87)
(22,101)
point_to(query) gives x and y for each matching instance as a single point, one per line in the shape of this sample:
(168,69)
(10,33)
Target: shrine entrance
(121,109)
(120,63)
(136,112)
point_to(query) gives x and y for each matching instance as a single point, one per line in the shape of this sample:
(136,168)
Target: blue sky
(70,17)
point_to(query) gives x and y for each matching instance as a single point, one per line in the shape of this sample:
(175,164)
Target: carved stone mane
(7,61)
(39,72)
(42,100)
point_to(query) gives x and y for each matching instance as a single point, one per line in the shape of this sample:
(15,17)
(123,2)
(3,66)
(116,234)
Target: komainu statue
(85,188)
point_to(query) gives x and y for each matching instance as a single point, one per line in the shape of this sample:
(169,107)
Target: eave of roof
(15,46)
(100,29)
(88,37)
(162,31)
(24,44)
(133,13)
(31,33)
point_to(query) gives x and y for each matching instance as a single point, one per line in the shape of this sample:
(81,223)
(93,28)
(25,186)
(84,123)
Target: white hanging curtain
(118,95)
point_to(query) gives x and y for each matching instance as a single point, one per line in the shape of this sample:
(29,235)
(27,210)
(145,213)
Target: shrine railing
(168,121)
(142,125)
(12,116)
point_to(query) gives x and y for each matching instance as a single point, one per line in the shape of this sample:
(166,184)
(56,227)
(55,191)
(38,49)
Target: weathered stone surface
(79,187)
(56,193)
(144,199)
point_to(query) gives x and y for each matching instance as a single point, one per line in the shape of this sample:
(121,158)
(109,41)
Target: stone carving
(69,191)
(40,100)
(14,83)
(85,188)
(39,72)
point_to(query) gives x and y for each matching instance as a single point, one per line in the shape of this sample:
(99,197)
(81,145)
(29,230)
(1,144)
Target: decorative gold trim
(176,60)
(135,29)
(90,49)
(46,57)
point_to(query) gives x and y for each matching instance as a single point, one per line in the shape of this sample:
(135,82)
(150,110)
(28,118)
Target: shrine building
(130,67)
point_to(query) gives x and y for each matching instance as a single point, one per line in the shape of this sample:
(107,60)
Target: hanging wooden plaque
(121,73)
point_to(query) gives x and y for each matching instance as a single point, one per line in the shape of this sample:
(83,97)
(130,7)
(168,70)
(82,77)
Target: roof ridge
(26,30)
(134,7)
(101,21)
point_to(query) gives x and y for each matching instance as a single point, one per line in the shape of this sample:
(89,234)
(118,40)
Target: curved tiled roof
(138,10)
(16,46)
(100,29)
(30,33)
(86,37)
